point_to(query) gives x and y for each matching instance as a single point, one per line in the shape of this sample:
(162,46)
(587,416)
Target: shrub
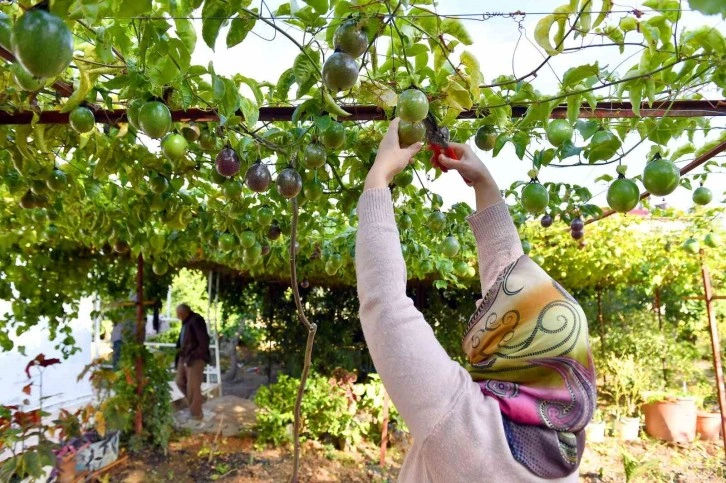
(335,410)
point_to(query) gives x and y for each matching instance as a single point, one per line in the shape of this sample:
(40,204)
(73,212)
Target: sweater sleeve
(497,241)
(422,380)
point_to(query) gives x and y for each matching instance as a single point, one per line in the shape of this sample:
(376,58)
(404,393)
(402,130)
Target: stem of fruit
(312,328)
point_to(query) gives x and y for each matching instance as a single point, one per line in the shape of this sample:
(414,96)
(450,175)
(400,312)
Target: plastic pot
(708,425)
(595,432)
(627,429)
(672,421)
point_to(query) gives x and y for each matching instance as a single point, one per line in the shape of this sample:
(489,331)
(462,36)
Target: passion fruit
(6,32)
(314,156)
(577,224)
(132,112)
(334,136)
(191,132)
(82,119)
(535,198)
(313,190)
(121,247)
(623,195)
(43,43)
(160,267)
(258,177)
(546,221)
(702,196)
(227,162)
(57,180)
(692,246)
(410,133)
(450,247)
(712,240)
(577,235)
(227,242)
(174,146)
(558,132)
(26,81)
(350,39)
(485,138)
(289,183)
(413,106)
(155,119)
(404,178)
(274,232)
(661,177)
(247,239)
(340,72)
(264,216)
(207,141)
(437,221)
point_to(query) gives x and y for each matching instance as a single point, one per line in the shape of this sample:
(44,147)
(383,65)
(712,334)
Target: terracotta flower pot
(595,432)
(708,425)
(627,429)
(673,421)
(67,468)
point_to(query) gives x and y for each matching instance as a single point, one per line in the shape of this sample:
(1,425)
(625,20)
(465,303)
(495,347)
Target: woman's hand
(476,174)
(391,158)
(469,166)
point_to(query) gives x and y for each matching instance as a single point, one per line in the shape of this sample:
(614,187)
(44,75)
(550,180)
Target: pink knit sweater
(458,432)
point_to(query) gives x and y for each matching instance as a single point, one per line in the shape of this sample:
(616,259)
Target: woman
(517,414)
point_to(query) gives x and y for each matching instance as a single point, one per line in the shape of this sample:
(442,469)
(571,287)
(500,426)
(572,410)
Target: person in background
(192,355)
(517,411)
(123,328)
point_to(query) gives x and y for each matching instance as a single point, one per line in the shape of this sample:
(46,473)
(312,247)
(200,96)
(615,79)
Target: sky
(496,47)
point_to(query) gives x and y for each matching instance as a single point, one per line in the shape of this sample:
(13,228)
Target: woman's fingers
(413,149)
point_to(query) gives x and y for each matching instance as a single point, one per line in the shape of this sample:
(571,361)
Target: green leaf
(456,29)
(636,96)
(607,5)
(575,75)
(604,177)
(214,14)
(250,111)
(709,7)
(587,128)
(287,79)
(133,8)
(303,68)
(320,6)
(186,32)
(332,107)
(573,108)
(569,149)
(499,143)
(520,141)
(239,29)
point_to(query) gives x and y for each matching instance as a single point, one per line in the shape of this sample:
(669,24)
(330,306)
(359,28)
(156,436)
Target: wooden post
(140,335)
(384,429)
(715,346)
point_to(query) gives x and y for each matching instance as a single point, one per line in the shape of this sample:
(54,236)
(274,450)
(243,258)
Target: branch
(312,328)
(290,38)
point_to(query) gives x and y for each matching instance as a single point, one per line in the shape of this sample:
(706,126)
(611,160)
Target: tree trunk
(231,373)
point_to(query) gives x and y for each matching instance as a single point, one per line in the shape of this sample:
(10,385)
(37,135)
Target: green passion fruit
(160,267)
(313,190)
(410,133)
(437,221)
(247,239)
(132,112)
(405,222)
(661,177)
(623,195)
(232,189)
(350,39)
(340,72)
(404,178)
(264,216)
(57,180)
(314,156)
(227,242)
(692,246)
(485,138)
(702,196)
(712,240)
(207,141)
(155,119)
(6,32)
(174,146)
(535,198)
(43,43)
(450,246)
(25,80)
(334,136)
(82,119)
(413,106)
(158,184)
(289,183)
(558,132)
